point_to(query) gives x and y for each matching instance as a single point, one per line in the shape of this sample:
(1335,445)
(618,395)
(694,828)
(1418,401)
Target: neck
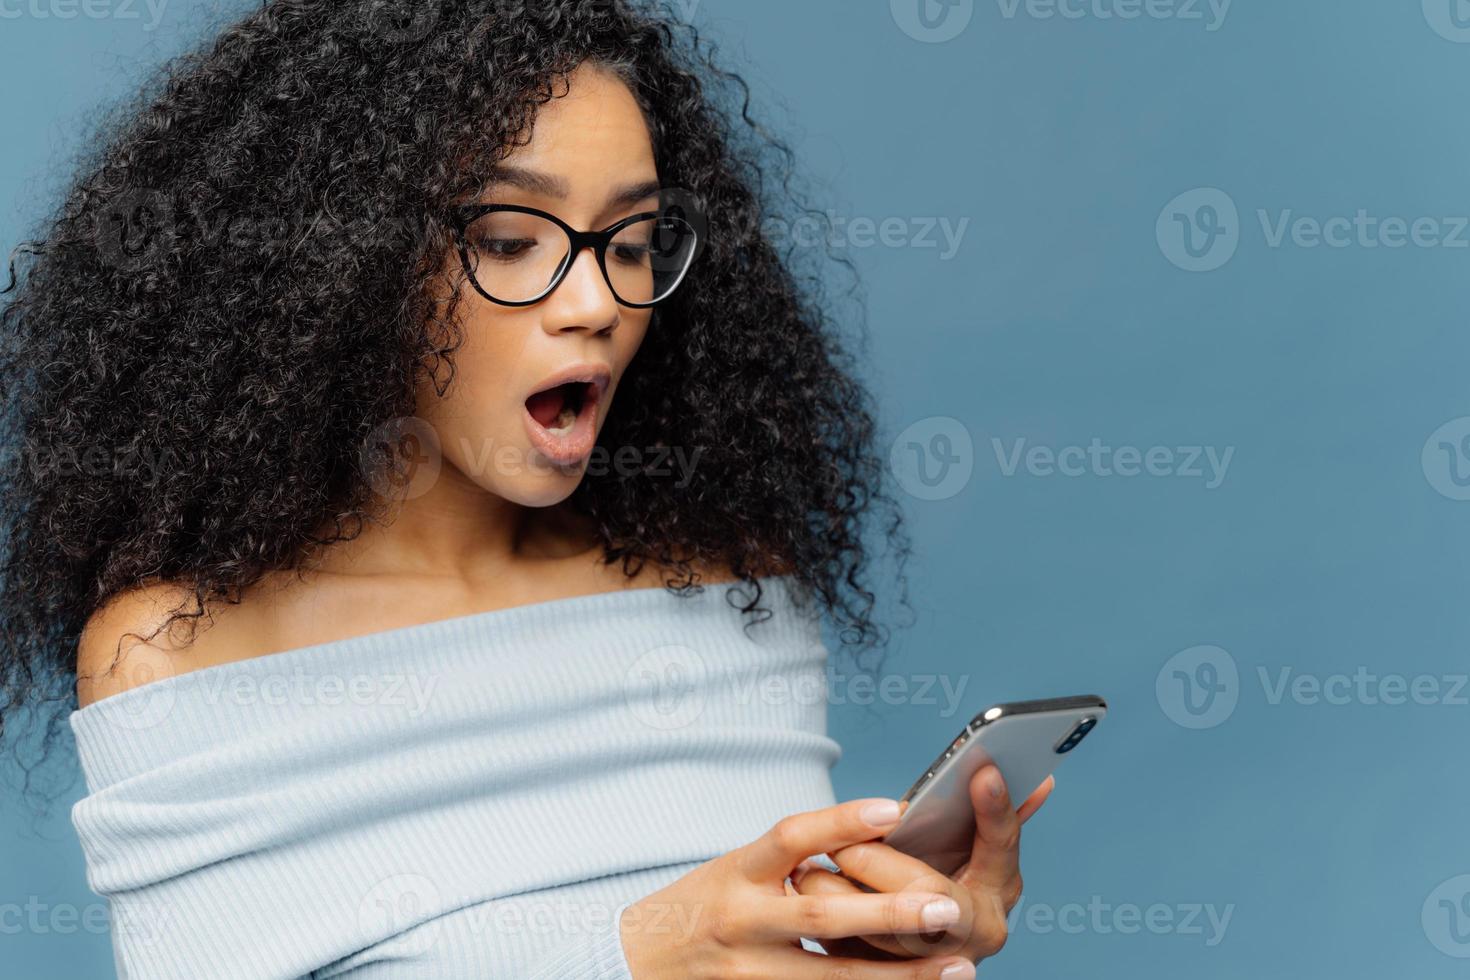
(457,529)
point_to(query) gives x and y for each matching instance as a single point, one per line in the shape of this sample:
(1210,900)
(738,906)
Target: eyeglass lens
(515,256)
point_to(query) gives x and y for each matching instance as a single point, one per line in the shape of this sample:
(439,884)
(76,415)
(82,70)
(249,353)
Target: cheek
(629,339)
(491,357)
(476,412)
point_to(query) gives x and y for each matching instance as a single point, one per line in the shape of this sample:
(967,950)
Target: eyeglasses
(516,256)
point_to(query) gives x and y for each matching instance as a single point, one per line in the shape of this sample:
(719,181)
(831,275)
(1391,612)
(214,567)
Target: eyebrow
(546,185)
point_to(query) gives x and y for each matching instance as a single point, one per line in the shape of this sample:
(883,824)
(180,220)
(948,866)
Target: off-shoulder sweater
(477,797)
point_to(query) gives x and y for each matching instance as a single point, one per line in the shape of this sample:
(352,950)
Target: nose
(583,302)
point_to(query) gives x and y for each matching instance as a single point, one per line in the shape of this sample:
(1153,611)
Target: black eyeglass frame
(466,214)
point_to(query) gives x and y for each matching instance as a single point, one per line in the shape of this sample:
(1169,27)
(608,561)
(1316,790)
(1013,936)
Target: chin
(544,486)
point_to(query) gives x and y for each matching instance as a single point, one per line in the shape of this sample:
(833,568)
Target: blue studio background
(1166,314)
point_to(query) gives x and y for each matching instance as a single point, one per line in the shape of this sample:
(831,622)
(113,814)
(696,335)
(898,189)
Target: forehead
(594,134)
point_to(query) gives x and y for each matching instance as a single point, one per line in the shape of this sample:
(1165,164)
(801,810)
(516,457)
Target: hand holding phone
(1025,740)
(940,832)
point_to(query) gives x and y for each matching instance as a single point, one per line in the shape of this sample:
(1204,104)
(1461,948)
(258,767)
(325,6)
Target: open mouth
(556,409)
(561,419)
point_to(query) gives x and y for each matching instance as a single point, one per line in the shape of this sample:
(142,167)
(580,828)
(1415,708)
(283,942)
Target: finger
(884,868)
(1034,801)
(888,870)
(860,949)
(837,916)
(863,949)
(805,867)
(799,836)
(995,857)
(820,881)
(799,964)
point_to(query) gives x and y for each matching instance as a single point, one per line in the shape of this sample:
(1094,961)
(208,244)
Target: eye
(503,249)
(635,242)
(630,252)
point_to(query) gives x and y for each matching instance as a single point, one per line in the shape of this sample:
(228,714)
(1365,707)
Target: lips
(561,413)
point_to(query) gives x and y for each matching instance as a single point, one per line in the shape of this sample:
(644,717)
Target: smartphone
(1025,739)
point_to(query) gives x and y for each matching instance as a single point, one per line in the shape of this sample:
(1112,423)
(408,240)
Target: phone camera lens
(1070,742)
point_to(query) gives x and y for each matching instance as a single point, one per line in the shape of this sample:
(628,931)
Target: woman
(397,649)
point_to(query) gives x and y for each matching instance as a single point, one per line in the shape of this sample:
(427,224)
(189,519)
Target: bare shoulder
(139,636)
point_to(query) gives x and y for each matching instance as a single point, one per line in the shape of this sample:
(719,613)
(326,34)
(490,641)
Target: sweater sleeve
(597,955)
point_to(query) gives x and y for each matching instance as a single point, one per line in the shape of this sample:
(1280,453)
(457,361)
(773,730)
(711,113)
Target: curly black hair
(237,291)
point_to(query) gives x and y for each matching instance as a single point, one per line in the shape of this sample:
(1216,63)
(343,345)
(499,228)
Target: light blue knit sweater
(478,797)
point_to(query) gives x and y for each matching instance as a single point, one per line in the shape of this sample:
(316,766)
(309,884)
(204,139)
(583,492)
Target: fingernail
(958,971)
(880,813)
(940,914)
(994,785)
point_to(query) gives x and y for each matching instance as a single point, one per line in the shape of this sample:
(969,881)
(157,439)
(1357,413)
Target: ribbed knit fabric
(478,797)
